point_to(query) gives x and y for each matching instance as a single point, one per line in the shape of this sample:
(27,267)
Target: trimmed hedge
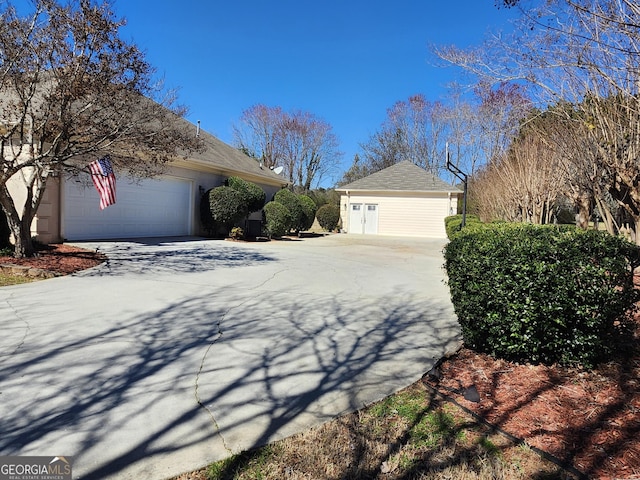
(290,201)
(541,294)
(453,223)
(308,212)
(328,217)
(277,219)
(252,194)
(220,209)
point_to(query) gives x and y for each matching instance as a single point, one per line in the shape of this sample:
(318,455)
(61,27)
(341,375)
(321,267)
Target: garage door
(150,208)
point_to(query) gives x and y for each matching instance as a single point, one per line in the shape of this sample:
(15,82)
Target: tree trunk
(583,204)
(607,217)
(21,231)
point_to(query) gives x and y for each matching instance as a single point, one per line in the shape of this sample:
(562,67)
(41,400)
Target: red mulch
(59,258)
(589,419)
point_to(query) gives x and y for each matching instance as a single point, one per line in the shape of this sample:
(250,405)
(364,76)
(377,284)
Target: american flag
(105,181)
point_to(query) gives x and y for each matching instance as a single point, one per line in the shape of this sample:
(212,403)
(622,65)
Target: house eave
(204,166)
(404,192)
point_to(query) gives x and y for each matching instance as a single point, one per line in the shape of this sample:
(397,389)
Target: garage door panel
(148,208)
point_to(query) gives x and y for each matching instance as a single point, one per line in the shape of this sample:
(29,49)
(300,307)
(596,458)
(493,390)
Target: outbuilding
(403,200)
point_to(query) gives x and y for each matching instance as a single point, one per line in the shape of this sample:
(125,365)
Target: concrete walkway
(179,352)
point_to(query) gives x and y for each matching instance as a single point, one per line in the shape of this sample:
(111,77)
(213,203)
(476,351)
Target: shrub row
(541,294)
(293,212)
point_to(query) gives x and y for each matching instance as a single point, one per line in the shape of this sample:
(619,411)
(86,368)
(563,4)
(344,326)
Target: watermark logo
(35,468)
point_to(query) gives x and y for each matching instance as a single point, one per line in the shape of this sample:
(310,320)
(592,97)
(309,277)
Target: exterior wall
(46,226)
(411,214)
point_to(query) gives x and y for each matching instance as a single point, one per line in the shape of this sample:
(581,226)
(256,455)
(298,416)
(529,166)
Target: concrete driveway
(179,352)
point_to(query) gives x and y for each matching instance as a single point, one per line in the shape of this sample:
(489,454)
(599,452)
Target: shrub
(292,203)
(252,194)
(220,209)
(328,217)
(236,233)
(277,219)
(541,294)
(453,223)
(308,212)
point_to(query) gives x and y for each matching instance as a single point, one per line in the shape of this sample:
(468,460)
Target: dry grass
(6,279)
(410,435)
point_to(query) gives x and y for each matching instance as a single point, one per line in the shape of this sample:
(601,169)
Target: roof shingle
(404,176)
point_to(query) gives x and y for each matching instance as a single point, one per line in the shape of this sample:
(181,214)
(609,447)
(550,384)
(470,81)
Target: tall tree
(258,134)
(72,91)
(413,130)
(584,53)
(300,142)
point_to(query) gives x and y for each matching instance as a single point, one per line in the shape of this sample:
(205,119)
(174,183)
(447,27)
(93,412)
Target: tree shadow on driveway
(212,374)
(169,256)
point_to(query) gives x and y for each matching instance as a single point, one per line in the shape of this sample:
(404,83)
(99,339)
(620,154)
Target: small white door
(363,218)
(356,218)
(371,219)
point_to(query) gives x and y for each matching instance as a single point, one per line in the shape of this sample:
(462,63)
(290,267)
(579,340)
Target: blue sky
(345,61)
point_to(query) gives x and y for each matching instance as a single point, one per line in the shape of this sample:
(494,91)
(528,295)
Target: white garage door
(150,208)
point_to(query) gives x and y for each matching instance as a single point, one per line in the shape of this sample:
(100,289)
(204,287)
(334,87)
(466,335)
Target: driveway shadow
(167,256)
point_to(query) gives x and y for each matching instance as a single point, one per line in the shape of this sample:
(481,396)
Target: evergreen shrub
(252,194)
(453,223)
(277,219)
(308,212)
(220,208)
(542,294)
(328,217)
(292,203)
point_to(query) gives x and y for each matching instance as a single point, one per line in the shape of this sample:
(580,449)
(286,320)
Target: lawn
(411,435)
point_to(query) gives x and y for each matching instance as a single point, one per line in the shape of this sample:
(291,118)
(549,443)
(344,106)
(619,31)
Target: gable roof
(401,177)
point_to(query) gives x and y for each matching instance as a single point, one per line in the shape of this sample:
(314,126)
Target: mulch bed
(58,258)
(588,419)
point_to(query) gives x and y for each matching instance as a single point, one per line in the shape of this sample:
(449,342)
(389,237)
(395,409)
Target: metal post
(463,177)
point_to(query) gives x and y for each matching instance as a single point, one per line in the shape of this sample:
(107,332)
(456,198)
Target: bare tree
(523,184)
(414,130)
(72,91)
(300,142)
(587,54)
(258,134)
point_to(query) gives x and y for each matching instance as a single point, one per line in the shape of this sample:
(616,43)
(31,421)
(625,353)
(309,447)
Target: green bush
(328,217)
(541,294)
(453,223)
(220,209)
(277,219)
(252,194)
(308,212)
(292,203)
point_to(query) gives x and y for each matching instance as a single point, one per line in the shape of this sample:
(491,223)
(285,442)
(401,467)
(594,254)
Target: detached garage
(401,200)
